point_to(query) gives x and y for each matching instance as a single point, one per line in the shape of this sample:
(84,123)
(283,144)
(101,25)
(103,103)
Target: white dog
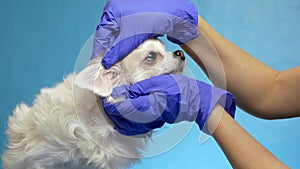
(50,134)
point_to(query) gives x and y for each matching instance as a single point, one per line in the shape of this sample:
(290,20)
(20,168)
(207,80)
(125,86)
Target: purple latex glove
(163,99)
(125,24)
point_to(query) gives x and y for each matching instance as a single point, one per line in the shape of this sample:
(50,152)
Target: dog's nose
(179,53)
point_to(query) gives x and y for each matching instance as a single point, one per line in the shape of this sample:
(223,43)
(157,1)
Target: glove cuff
(209,101)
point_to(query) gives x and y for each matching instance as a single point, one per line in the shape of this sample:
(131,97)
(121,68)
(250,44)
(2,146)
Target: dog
(67,127)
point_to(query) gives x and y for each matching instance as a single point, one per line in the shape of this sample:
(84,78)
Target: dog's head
(149,59)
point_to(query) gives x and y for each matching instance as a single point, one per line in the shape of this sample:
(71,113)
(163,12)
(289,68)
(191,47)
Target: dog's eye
(151,56)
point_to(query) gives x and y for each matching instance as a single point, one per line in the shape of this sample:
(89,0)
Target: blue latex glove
(151,103)
(125,24)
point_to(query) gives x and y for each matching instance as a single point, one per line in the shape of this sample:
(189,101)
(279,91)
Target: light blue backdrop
(40,41)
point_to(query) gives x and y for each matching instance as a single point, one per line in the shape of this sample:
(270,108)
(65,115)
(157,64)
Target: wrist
(214,119)
(201,21)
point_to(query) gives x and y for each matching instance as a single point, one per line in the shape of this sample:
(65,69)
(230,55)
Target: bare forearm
(241,149)
(253,83)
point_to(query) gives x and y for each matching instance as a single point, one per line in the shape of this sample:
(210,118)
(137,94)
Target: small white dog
(52,134)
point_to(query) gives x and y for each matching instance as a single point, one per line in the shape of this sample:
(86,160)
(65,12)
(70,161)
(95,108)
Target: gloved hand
(125,24)
(151,103)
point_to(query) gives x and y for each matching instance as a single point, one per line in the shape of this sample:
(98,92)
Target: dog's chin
(177,71)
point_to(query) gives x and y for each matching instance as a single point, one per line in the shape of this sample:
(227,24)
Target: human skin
(240,148)
(259,89)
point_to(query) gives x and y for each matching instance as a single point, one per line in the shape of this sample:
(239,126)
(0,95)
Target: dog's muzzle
(179,53)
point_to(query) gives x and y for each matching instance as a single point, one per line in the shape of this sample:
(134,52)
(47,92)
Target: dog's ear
(98,79)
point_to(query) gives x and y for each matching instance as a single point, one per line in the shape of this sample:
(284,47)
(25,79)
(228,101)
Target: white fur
(49,135)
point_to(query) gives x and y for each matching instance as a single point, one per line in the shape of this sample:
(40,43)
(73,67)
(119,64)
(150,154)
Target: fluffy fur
(50,134)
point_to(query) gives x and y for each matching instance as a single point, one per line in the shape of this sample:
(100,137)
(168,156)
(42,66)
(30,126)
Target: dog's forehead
(153,44)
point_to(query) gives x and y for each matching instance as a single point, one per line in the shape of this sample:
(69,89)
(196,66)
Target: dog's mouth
(178,71)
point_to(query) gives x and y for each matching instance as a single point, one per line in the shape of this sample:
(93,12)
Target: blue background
(40,41)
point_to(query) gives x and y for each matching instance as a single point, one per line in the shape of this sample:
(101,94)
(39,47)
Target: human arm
(259,89)
(240,148)
(146,108)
